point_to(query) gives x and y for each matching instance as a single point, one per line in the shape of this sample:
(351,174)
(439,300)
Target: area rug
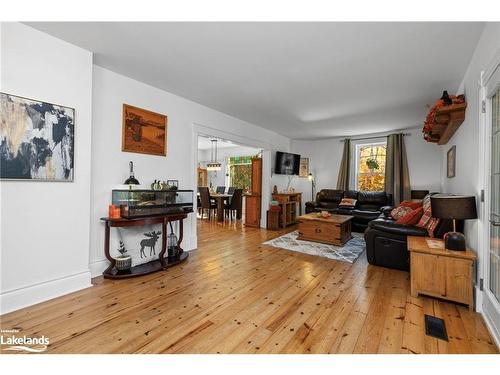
(347,253)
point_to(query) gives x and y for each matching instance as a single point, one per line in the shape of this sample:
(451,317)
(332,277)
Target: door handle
(318,230)
(495,223)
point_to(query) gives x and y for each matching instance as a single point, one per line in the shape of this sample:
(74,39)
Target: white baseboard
(492,319)
(97,267)
(191,243)
(31,295)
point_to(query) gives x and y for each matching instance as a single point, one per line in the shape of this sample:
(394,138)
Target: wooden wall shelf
(447,121)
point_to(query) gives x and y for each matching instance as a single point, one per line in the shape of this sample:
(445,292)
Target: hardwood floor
(234,295)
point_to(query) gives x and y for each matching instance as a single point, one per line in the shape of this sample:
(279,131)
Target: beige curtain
(343,178)
(397,178)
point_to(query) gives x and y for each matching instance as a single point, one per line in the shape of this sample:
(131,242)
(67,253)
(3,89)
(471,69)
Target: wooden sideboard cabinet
(440,272)
(253,201)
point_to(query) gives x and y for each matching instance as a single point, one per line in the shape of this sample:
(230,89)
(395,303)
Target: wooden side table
(439,272)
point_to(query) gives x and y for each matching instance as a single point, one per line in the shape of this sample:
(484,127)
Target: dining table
(220,199)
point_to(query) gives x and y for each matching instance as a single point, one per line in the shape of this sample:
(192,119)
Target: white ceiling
(302,80)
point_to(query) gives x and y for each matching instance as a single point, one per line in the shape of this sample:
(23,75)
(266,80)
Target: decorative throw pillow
(412,217)
(427,221)
(427,215)
(347,203)
(412,204)
(431,227)
(400,211)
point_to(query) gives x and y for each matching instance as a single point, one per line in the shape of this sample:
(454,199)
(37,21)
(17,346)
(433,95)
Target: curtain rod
(373,137)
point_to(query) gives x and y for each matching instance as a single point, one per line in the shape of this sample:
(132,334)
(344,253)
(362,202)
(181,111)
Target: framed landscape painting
(144,132)
(36,140)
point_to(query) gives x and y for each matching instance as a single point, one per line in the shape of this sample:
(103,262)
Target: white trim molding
(23,297)
(486,303)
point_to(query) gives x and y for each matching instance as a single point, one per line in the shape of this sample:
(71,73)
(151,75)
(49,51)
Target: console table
(153,266)
(290,203)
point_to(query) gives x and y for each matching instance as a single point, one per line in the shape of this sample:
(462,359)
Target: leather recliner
(386,241)
(368,207)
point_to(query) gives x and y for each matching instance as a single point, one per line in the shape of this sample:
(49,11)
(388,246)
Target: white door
(493,284)
(490,255)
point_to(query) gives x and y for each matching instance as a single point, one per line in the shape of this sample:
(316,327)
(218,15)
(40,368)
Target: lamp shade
(458,207)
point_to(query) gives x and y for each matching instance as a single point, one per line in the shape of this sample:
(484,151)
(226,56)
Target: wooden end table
(439,272)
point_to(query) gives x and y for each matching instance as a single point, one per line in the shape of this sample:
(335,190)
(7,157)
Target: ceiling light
(214,165)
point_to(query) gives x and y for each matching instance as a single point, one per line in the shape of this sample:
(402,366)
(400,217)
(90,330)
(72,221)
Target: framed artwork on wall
(36,140)
(304,168)
(144,132)
(451,162)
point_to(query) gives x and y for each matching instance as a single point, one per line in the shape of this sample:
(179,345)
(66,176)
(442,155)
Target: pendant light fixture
(214,165)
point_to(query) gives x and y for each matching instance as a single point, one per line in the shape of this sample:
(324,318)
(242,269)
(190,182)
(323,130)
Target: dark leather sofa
(386,243)
(368,207)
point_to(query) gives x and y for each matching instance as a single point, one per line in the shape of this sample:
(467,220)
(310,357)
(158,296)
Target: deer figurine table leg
(163,243)
(106,249)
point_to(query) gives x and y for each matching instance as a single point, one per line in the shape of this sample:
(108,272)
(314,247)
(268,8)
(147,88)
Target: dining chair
(235,204)
(220,189)
(230,190)
(206,202)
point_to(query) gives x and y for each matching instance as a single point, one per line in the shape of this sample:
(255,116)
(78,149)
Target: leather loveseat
(368,207)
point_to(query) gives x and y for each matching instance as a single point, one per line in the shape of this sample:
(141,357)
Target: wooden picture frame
(451,162)
(304,168)
(143,131)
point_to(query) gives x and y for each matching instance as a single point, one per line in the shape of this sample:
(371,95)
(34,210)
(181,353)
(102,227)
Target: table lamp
(454,207)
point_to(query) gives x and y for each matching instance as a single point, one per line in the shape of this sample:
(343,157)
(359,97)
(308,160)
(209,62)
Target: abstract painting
(36,140)
(144,132)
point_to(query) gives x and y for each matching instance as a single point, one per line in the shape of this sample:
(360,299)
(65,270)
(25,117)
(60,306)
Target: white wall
(466,138)
(45,225)
(110,164)
(424,162)
(469,164)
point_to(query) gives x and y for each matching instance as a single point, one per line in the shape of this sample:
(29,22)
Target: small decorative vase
(123,262)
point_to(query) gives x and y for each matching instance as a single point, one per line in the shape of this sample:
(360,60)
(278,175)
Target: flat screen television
(287,163)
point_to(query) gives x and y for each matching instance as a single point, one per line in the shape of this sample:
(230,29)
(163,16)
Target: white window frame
(355,147)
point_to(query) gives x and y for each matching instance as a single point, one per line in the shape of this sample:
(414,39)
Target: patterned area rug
(347,253)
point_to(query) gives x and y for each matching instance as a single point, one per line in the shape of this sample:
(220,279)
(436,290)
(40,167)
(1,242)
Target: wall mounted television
(287,163)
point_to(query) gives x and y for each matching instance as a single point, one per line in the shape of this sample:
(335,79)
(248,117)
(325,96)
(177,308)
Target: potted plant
(372,164)
(124,261)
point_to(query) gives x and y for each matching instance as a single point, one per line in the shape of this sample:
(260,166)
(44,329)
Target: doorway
(225,171)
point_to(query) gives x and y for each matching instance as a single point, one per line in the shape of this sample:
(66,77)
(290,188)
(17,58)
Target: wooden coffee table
(334,230)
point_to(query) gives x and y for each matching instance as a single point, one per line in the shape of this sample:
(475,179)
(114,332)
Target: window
(240,172)
(370,166)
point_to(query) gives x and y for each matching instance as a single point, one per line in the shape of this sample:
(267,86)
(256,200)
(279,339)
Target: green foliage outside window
(371,167)
(240,172)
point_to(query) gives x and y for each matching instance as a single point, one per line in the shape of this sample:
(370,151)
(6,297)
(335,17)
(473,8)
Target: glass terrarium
(138,202)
